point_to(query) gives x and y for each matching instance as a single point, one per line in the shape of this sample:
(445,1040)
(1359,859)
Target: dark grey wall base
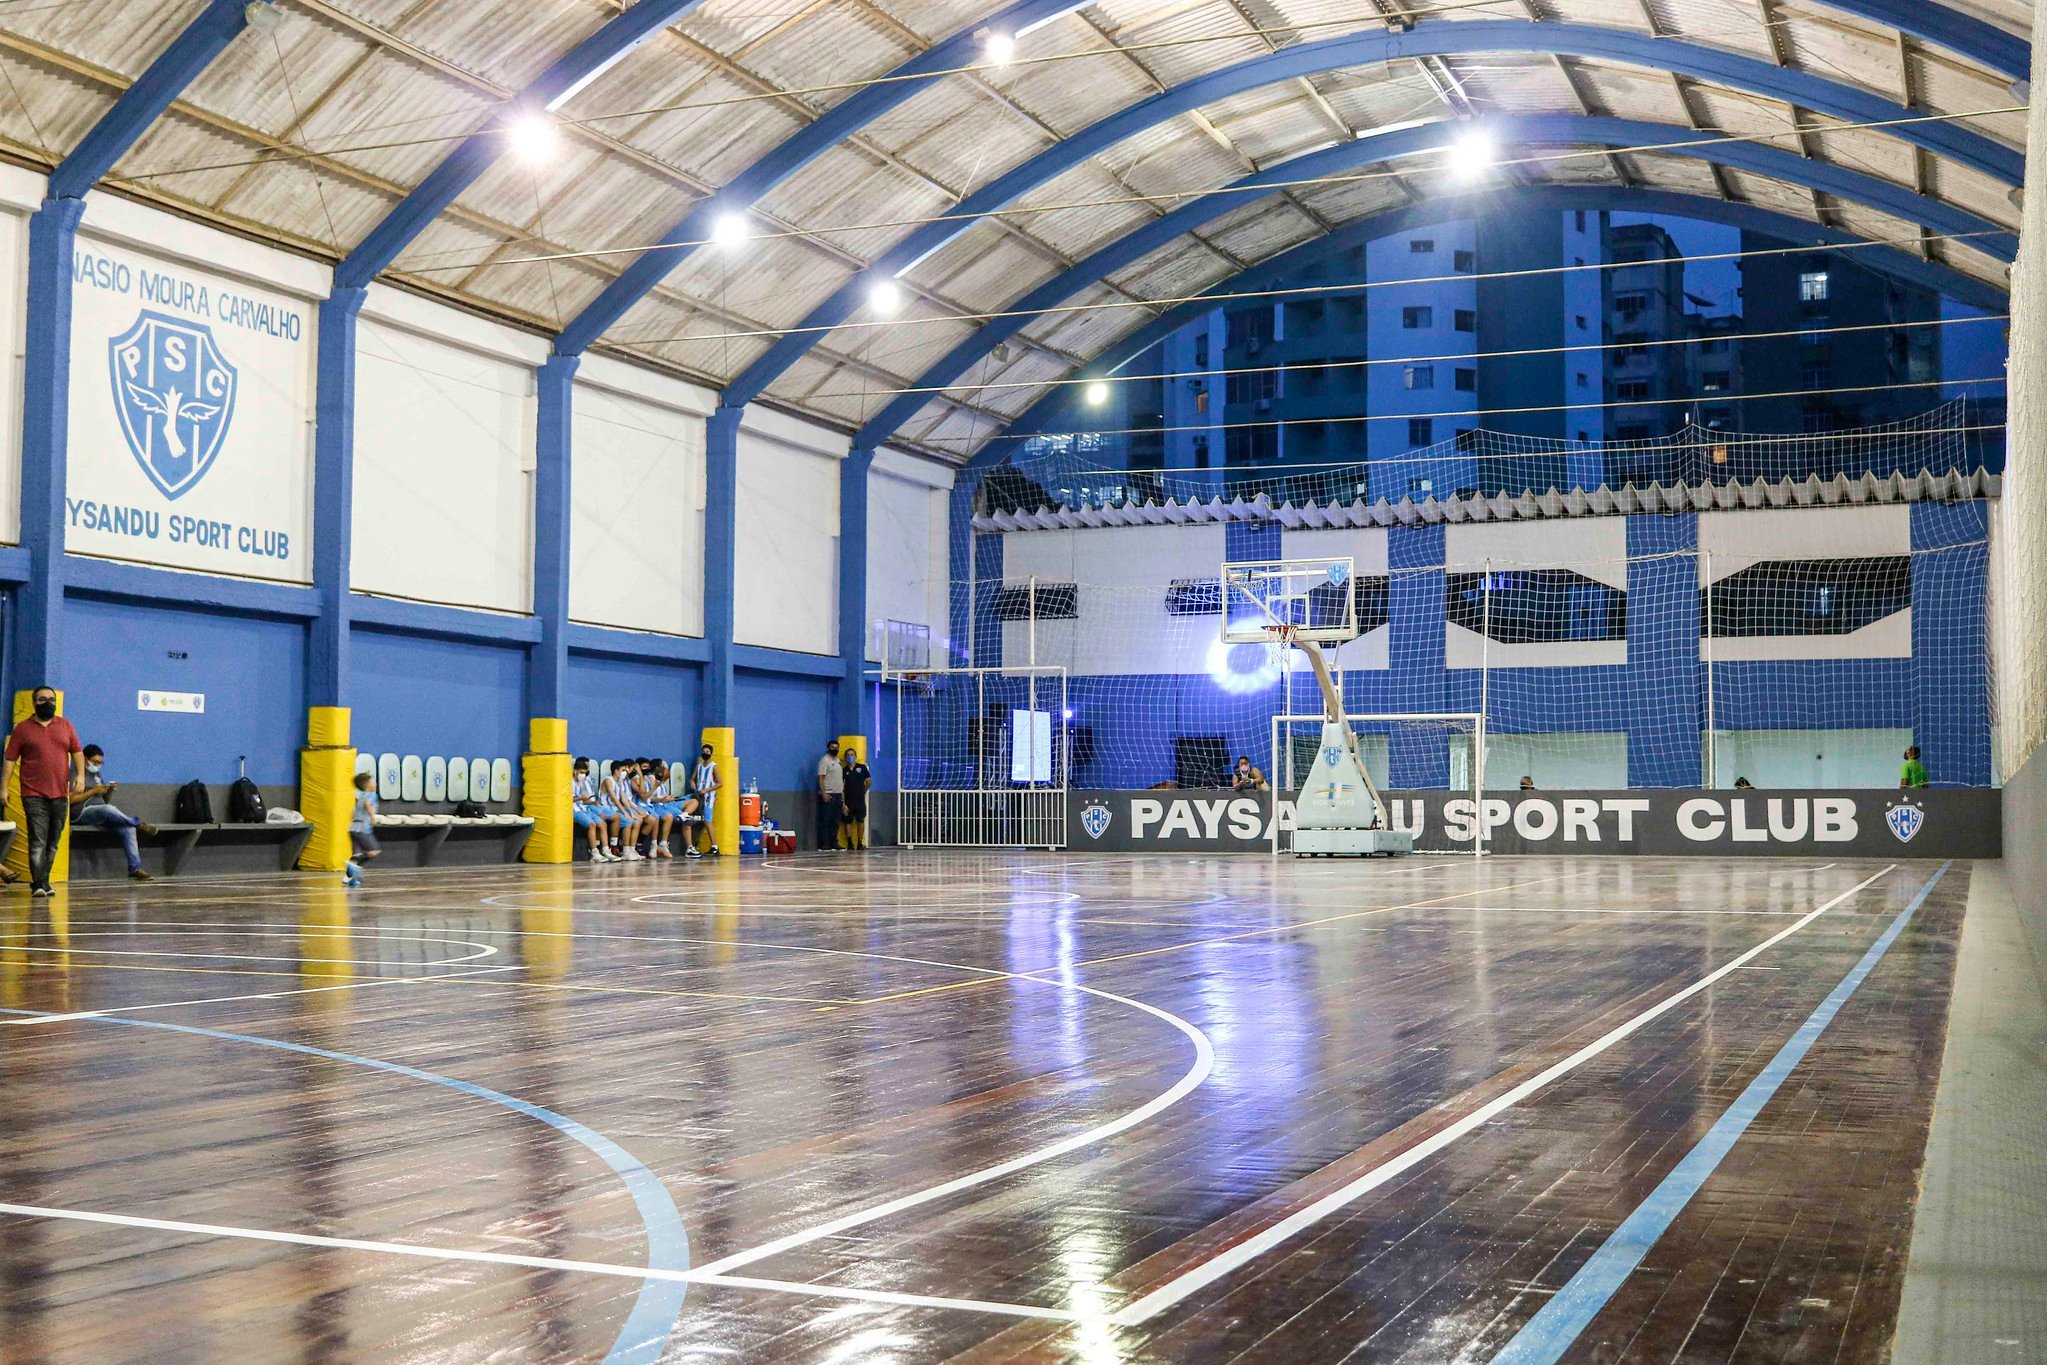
(96,853)
(450,845)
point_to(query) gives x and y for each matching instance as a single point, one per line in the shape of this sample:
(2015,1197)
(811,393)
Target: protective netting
(1083,469)
(1773,647)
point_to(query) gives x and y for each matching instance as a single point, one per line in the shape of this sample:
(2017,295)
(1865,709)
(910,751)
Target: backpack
(245,803)
(469,810)
(194,806)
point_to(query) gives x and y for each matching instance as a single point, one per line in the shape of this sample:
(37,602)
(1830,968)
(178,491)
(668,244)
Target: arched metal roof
(371,131)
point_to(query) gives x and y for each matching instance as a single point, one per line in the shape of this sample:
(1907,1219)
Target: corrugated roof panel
(959,134)
(1978,193)
(515,190)
(1773,194)
(1682,175)
(1948,87)
(177,140)
(1179,271)
(394,118)
(1708,21)
(508,55)
(719,132)
(1351,199)
(1868,151)
(269,82)
(833,45)
(627,207)
(1967,258)
(1614,14)
(1284,124)
(1262,228)
(1071,94)
(731,25)
(1003,270)
(120,35)
(1076,232)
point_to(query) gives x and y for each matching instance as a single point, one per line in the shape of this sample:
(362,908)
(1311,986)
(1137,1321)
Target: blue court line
(658,1305)
(1547,1335)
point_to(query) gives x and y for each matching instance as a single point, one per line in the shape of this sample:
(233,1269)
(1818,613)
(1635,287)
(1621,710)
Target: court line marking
(631,1272)
(656,1308)
(260,995)
(1547,1335)
(488,951)
(1208,1272)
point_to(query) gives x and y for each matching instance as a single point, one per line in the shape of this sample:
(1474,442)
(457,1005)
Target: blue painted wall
(626,706)
(251,669)
(783,724)
(422,695)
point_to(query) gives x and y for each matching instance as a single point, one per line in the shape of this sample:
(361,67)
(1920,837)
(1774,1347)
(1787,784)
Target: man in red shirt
(46,750)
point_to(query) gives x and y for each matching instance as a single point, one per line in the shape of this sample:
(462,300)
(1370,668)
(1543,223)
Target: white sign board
(191,418)
(1030,759)
(184,703)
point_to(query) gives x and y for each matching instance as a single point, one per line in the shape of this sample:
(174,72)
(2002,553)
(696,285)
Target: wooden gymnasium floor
(967,1107)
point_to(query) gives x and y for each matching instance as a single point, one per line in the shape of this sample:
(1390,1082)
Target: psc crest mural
(175,394)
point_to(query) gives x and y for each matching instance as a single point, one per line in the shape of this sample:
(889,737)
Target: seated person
(1527,783)
(1742,784)
(1246,778)
(650,789)
(594,817)
(91,809)
(618,791)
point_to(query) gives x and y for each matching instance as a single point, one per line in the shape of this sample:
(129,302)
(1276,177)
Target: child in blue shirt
(362,832)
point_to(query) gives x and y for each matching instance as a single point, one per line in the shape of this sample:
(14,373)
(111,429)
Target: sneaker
(690,851)
(138,875)
(145,828)
(42,891)
(351,881)
(631,855)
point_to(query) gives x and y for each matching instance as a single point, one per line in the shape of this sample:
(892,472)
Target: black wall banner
(1931,822)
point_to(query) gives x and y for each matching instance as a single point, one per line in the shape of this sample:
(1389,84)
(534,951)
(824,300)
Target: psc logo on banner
(175,394)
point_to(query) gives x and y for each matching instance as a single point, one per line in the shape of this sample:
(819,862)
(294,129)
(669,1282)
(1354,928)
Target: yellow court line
(640,990)
(1206,942)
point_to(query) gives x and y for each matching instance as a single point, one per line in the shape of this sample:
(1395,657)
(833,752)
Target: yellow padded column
(326,788)
(724,746)
(17,856)
(546,782)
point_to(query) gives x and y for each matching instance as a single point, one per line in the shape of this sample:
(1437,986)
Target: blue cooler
(750,839)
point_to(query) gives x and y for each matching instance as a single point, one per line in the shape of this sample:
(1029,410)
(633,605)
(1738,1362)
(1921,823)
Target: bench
(96,853)
(429,840)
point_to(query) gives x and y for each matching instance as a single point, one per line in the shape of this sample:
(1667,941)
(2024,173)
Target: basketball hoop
(1279,645)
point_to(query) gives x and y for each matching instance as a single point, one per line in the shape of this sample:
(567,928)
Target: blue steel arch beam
(1711,65)
(1548,129)
(46,372)
(461,168)
(1040,417)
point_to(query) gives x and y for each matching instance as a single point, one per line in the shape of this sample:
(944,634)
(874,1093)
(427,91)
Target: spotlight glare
(533,138)
(998,48)
(730,230)
(1471,155)
(1096,394)
(885,297)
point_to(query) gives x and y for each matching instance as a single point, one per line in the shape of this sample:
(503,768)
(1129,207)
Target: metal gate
(983,757)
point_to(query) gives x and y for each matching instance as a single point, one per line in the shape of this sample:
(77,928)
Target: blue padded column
(721,512)
(547,666)
(1417,606)
(1664,684)
(853,476)
(333,496)
(46,420)
(1950,645)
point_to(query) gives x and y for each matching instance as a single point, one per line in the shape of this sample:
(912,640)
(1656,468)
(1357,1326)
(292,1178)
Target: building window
(1350,313)
(1583,382)
(1464,262)
(1714,345)
(1421,246)
(1528,606)
(1631,390)
(1250,445)
(1417,316)
(1581,219)
(1418,376)
(1584,439)
(1465,320)
(1581,322)
(1630,306)
(1055,602)
(1249,326)
(1420,431)
(1815,376)
(1194,597)
(1812,287)
(1467,380)
(1201,351)
(1715,381)
(1808,596)
(1251,386)
(1201,398)
(1305,319)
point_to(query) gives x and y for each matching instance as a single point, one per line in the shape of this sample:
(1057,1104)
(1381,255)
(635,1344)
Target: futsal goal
(1407,756)
(984,756)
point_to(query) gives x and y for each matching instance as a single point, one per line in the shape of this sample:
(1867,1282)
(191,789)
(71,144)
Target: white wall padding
(443,472)
(2019,592)
(636,548)
(785,586)
(907,518)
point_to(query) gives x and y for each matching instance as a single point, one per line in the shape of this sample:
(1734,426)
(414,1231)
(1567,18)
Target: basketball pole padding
(723,742)
(546,781)
(326,788)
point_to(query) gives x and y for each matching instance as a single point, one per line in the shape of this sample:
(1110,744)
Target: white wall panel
(785,588)
(1730,542)
(1596,547)
(191,401)
(636,545)
(443,469)
(13,343)
(1123,573)
(1366,546)
(907,566)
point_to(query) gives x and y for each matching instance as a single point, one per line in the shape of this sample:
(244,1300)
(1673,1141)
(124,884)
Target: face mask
(93,768)
(45,710)
(706,754)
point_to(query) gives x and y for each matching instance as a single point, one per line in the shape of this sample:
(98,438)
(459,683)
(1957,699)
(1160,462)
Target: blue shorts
(586,815)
